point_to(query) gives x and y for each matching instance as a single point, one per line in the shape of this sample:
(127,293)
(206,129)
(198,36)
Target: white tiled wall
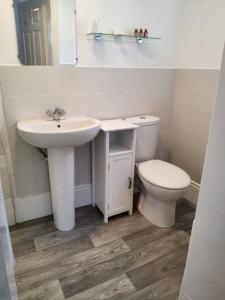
(195,93)
(109,93)
(5,175)
(100,92)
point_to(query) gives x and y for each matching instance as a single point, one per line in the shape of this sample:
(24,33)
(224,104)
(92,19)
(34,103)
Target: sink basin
(74,132)
(60,138)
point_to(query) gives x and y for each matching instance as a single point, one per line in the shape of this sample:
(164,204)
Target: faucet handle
(50,113)
(60,111)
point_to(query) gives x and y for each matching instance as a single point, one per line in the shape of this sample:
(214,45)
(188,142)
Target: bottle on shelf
(141,33)
(146,33)
(136,32)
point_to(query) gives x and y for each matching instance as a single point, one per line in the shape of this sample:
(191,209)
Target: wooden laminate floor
(129,258)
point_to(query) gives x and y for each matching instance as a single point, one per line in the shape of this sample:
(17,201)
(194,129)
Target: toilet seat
(164,175)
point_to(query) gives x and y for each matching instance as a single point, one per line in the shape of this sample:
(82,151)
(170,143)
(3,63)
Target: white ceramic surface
(45,133)
(163,174)
(157,202)
(60,138)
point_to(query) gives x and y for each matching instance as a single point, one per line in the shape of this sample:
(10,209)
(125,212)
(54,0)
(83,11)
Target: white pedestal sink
(60,139)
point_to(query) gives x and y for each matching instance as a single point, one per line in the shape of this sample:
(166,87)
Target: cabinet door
(120,185)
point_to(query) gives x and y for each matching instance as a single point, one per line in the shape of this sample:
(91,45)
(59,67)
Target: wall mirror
(46,32)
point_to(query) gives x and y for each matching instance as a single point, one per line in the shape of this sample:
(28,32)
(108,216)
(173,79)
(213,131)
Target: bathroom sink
(60,137)
(45,133)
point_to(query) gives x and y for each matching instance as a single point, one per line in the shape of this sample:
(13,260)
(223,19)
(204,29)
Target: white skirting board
(33,207)
(192,193)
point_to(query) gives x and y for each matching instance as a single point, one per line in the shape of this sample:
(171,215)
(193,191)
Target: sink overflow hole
(59,126)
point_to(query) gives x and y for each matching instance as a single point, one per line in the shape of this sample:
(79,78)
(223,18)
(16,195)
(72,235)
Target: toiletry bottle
(136,32)
(146,33)
(141,33)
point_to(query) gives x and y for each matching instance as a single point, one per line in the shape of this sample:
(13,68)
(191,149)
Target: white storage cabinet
(113,167)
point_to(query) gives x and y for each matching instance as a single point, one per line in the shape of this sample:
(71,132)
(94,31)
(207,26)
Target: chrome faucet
(57,114)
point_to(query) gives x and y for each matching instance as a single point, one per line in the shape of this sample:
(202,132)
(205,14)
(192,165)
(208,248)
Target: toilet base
(160,213)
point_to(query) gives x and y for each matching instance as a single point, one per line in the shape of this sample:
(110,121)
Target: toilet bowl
(163,185)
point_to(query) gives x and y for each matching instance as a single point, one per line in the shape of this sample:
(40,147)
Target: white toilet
(163,183)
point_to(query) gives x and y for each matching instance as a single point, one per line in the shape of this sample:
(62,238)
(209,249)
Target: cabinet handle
(129,182)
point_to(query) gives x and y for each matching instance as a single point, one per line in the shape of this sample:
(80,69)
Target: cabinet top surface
(117,125)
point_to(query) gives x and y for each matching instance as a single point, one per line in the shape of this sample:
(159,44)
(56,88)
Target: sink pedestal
(61,173)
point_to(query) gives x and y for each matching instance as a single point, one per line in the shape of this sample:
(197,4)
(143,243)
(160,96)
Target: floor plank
(171,296)
(118,228)
(49,291)
(159,268)
(52,254)
(114,289)
(83,215)
(74,283)
(183,208)
(28,233)
(88,215)
(91,259)
(23,248)
(28,224)
(145,236)
(56,238)
(74,263)
(185,222)
(161,290)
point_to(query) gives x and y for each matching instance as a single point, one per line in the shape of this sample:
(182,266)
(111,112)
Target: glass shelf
(99,35)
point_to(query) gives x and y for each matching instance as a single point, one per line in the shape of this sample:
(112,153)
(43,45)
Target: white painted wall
(203,35)
(193,33)
(67,34)
(162,18)
(63,32)
(8,48)
(205,269)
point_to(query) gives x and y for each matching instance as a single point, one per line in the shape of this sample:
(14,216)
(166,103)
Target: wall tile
(194,99)
(40,173)
(191,102)
(67,80)
(188,153)
(4,178)
(198,81)
(110,93)
(101,105)
(23,166)
(104,93)
(191,124)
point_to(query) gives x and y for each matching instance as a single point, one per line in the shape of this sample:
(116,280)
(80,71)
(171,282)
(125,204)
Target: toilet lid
(163,174)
